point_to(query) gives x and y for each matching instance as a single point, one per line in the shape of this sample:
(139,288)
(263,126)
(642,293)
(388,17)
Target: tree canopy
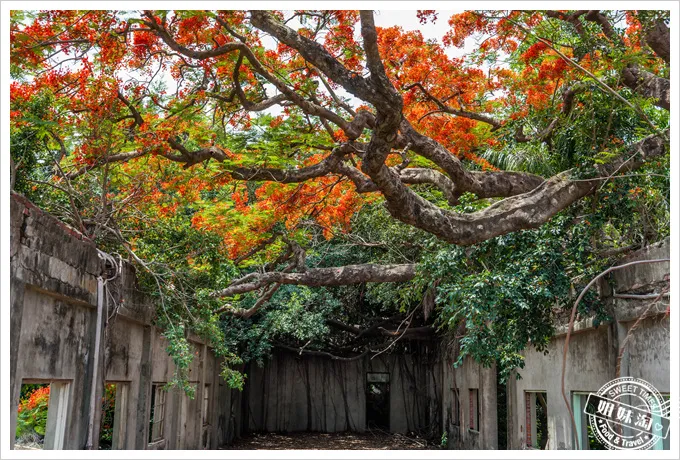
(263,166)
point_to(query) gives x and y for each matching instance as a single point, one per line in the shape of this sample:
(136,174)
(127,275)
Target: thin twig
(407,318)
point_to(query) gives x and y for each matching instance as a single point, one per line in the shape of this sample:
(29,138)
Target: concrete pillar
(176,410)
(16,295)
(511,395)
(204,412)
(144,395)
(621,332)
(489,409)
(120,417)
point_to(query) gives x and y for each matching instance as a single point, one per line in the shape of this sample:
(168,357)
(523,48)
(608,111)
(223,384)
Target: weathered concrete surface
(593,351)
(309,393)
(642,277)
(302,393)
(469,376)
(588,369)
(54,275)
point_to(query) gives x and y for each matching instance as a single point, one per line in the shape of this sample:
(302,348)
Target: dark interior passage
(378,401)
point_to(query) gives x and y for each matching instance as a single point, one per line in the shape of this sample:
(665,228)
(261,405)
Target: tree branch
(195,54)
(314,53)
(139,121)
(658,37)
(197,156)
(528,210)
(459,113)
(335,276)
(648,85)
(120,157)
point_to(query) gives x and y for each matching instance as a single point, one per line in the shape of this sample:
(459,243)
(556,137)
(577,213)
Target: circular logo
(628,413)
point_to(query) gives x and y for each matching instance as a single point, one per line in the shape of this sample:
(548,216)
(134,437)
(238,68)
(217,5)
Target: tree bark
(649,85)
(658,38)
(335,276)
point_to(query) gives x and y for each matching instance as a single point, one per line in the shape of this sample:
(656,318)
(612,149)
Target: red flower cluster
(37,398)
(533,52)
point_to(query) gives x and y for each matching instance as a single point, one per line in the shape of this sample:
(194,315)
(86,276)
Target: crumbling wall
(593,351)
(53,282)
(54,278)
(294,392)
(590,366)
(459,383)
(54,275)
(304,394)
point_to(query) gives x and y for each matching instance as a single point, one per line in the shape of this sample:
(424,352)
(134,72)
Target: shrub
(32,415)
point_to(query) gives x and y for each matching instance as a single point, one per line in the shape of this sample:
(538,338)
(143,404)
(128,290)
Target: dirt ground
(329,441)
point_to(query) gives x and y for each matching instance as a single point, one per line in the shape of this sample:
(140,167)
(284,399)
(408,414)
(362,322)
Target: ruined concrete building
(67,332)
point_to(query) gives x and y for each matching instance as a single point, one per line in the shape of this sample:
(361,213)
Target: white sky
(409,21)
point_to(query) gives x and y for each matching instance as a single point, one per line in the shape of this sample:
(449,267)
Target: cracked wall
(54,288)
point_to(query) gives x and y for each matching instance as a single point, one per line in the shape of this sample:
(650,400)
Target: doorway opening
(378,400)
(502,412)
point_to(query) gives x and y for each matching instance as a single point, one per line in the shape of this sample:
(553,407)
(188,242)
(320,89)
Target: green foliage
(500,296)
(503,291)
(295,313)
(598,129)
(28,145)
(531,157)
(269,137)
(29,388)
(180,351)
(32,415)
(32,421)
(188,265)
(107,419)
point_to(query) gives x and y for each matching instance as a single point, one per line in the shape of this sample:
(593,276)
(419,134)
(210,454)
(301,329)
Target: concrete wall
(461,433)
(312,393)
(589,367)
(293,392)
(54,301)
(593,351)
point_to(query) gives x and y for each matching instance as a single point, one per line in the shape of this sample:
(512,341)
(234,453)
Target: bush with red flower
(32,415)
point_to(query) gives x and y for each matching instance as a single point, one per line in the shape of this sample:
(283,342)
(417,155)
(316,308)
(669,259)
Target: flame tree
(250,138)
